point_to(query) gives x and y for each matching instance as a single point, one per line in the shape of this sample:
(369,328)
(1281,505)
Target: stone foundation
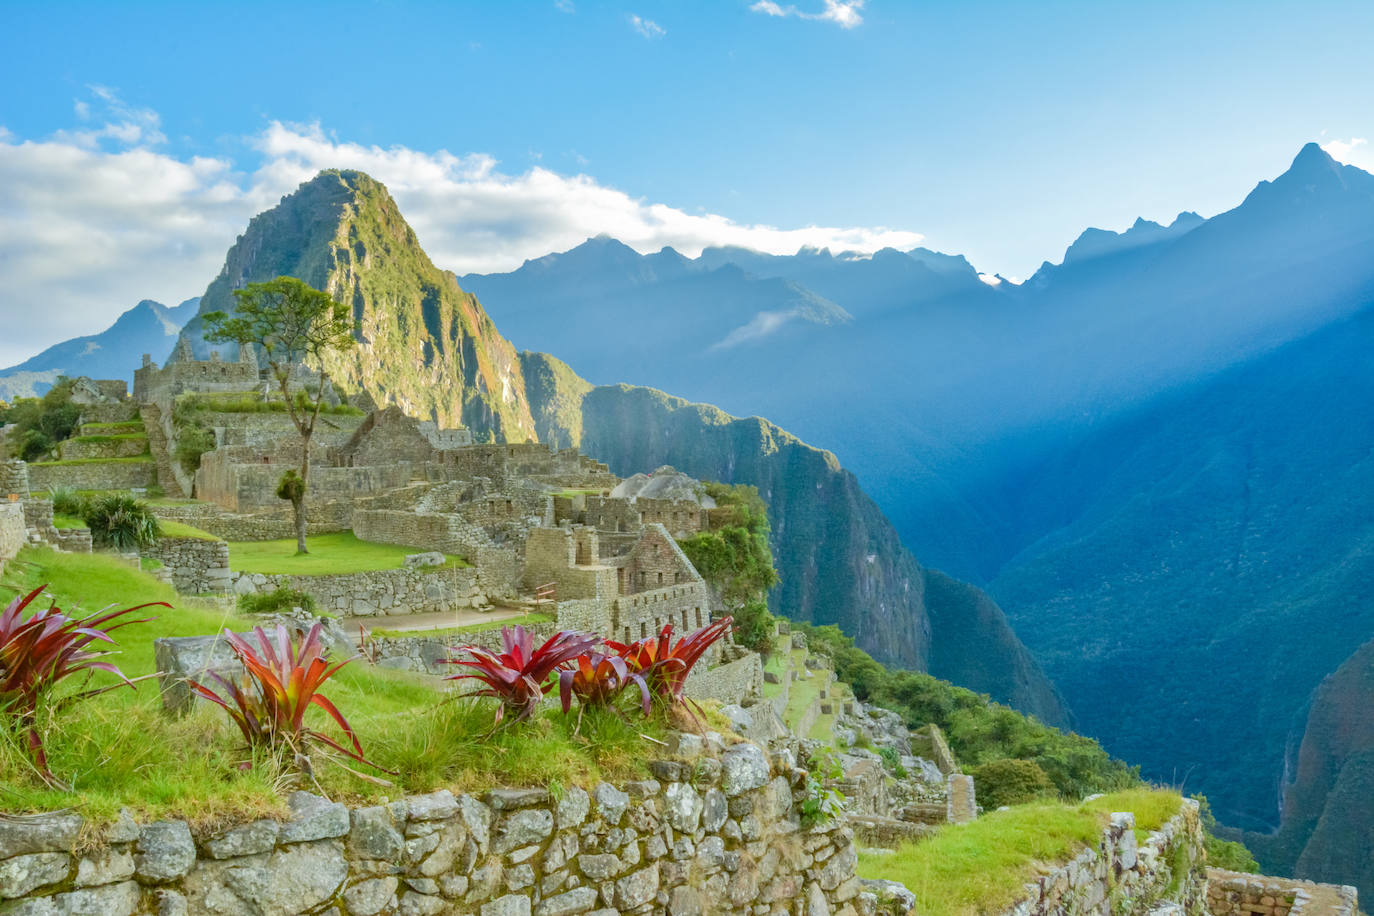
(196,566)
(1124,876)
(99,475)
(1233,894)
(383,592)
(717,833)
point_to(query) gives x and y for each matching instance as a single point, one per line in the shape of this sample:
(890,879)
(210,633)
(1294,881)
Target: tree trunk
(298,504)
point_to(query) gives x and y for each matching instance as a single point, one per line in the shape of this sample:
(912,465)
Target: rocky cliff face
(1327,832)
(840,560)
(425,344)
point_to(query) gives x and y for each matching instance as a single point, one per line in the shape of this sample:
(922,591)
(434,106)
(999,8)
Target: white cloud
(87,232)
(564,6)
(124,124)
(1356,151)
(647,27)
(844,13)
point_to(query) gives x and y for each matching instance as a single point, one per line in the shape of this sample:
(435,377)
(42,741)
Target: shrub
(122,522)
(193,440)
(38,654)
(67,501)
(282,683)
(1010,782)
(277,601)
(521,675)
(755,627)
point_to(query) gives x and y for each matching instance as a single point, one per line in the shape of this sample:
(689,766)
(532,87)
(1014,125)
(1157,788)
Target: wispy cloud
(564,6)
(647,27)
(124,124)
(87,231)
(844,13)
(1356,151)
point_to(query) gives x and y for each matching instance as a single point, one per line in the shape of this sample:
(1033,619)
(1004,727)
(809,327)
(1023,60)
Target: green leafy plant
(893,761)
(521,674)
(67,501)
(193,440)
(277,601)
(39,653)
(119,521)
(1010,782)
(598,678)
(820,802)
(283,680)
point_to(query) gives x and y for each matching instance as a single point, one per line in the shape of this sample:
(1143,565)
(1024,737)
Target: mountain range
(149,327)
(1155,454)
(1152,454)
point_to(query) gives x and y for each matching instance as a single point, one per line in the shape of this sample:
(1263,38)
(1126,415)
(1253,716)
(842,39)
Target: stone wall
(13,531)
(98,475)
(321,518)
(102,447)
(739,681)
(74,540)
(716,833)
(637,616)
(226,479)
(196,566)
(1234,894)
(1121,875)
(385,592)
(14,478)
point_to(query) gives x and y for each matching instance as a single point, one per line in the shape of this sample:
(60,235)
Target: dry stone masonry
(718,831)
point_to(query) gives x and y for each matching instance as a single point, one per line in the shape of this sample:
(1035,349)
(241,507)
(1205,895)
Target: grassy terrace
(980,867)
(120,750)
(174,529)
(528,620)
(330,555)
(137,459)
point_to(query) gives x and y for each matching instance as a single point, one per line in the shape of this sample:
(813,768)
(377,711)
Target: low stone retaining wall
(383,592)
(100,475)
(14,478)
(13,531)
(1124,876)
(739,681)
(717,833)
(103,447)
(1234,894)
(196,566)
(74,540)
(325,518)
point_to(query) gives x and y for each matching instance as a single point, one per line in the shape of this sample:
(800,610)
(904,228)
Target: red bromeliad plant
(520,676)
(282,683)
(597,678)
(664,664)
(39,653)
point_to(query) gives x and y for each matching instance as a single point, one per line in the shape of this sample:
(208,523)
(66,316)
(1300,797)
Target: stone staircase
(158,446)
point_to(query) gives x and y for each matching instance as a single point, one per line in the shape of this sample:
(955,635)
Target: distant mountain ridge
(997,427)
(149,327)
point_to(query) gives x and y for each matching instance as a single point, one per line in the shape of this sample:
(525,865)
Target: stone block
(165,852)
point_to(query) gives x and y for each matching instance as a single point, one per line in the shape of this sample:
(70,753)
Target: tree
(290,322)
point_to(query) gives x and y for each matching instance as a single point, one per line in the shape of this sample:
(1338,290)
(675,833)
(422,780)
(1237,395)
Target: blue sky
(997,130)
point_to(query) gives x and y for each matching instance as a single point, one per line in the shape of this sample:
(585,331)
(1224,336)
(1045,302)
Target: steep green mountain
(149,327)
(1211,565)
(1327,833)
(426,345)
(840,560)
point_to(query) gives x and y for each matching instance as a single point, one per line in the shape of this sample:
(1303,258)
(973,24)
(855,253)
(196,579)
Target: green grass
(119,749)
(249,402)
(137,459)
(579,492)
(980,867)
(527,620)
(111,437)
(330,555)
(67,521)
(172,528)
(129,425)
